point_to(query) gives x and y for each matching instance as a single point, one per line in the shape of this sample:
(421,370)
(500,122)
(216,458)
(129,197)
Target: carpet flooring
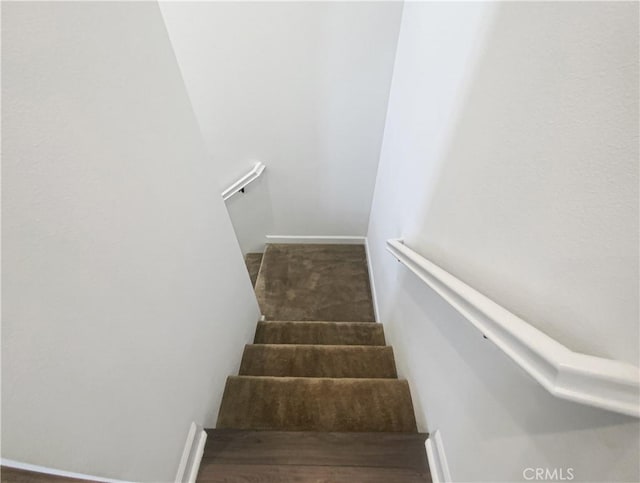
(317,404)
(330,333)
(295,360)
(253,262)
(315,282)
(317,397)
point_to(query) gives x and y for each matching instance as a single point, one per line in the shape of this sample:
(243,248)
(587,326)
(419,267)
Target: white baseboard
(337,239)
(374,297)
(197,457)
(52,471)
(191,455)
(186,452)
(438,465)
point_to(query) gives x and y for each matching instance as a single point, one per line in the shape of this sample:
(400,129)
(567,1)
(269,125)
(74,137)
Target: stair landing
(315,282)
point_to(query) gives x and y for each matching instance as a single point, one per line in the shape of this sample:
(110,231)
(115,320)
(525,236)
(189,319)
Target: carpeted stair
(320,333)
(299,360)
(318,365)
(316,404)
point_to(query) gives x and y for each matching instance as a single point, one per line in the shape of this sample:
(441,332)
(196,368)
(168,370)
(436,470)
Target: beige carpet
(331,333)
(253,262)
(315,282)
(296,360)
(319,362)
(316,404)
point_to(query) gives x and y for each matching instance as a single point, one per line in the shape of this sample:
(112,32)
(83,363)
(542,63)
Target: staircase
(317,397)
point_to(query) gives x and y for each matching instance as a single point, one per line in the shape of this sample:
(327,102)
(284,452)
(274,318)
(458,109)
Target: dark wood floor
(11,475)
(281,456)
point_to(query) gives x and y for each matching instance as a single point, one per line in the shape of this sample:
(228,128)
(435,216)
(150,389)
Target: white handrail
(240,184)
(595,381)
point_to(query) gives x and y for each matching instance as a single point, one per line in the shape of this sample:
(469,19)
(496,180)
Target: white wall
(118,328)
(301,86)
(510,159)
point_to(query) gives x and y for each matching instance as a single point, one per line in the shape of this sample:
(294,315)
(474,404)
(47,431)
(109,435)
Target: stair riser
(305,404)
(318,361)
(319,333)
(403,450)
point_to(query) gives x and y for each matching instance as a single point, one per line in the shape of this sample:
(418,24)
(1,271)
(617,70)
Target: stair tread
(316,404)
(330,333)
(365,323)
(336,361)
(397,450)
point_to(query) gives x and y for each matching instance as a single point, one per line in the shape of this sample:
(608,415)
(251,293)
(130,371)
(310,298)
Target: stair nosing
(341,379)
(324,346)
(360,322)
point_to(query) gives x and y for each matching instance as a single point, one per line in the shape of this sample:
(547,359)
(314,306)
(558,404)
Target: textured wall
(510,158)
(125,299)
(302,86)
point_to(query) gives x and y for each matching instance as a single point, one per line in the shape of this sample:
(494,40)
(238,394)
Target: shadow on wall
(251,214)
(302,86)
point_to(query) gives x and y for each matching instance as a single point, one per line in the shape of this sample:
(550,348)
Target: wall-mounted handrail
(241,183)
(595,381)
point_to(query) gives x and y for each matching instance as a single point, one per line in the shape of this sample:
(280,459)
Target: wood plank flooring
(12,475)
(282,456)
